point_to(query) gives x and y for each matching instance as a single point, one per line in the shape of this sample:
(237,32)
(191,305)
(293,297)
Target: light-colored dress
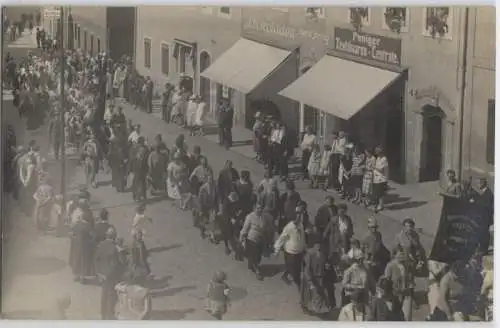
(368,176)
(201,111)
(191,113)
(174,173)
(314,163)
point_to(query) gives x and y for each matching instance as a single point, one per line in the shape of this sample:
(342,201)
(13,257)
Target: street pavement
(37,275)
(182,262)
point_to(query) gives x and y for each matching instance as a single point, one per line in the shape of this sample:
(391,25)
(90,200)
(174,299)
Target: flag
(460,229)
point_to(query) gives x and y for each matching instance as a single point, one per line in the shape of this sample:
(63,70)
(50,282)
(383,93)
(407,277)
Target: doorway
(71,30)
(204,82)
(431,149)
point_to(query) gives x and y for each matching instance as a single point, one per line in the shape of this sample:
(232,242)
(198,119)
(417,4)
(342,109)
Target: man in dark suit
(109,269)
(226,115)
(486,199)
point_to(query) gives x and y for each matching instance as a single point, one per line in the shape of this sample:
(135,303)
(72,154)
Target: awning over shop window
(245,65)
(338,86)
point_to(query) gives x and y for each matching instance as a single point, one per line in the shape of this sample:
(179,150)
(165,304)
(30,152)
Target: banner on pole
(461,226)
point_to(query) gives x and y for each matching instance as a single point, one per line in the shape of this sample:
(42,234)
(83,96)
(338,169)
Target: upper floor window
(359,16)
(225,11)
(147,52)
(490,133)
(315,12)
(396,19)
(438,21)
(165,58)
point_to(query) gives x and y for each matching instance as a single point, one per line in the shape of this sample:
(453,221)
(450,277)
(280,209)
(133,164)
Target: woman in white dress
(201,111)
(174,172)
(191,113)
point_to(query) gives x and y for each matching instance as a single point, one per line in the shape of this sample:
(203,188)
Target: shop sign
(287,32)
(52,13)
(368,46)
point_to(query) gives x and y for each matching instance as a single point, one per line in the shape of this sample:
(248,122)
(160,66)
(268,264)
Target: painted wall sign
(368,46)
(287,32)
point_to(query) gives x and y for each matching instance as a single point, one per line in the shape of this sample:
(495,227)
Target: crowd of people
(251,220)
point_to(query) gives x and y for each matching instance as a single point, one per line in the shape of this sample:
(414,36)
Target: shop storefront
(257,71)
(357,87)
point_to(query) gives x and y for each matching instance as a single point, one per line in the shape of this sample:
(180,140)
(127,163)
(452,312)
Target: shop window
(165,57)
(147,53)
(92,44)
(396,19)
(490,133)
(225,11)
(98,45)
(438,22)
(359,16)
(315,12)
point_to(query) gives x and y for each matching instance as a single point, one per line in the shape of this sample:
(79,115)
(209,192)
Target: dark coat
(82,249)
(107,259)
(288,204)
(381,312)
(323,216)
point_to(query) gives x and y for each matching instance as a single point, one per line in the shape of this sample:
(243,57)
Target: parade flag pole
(62,110)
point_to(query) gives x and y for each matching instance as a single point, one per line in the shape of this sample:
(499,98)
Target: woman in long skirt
(313,297)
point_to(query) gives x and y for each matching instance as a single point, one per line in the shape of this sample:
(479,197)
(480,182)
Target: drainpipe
(462,93)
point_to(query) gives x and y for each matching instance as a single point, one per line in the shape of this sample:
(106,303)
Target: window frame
(223,14)
(449,21)
(320,15)
(147,61)
(490,132)
(85,39)
(405,29)
(368,21)
(92,43)
(169,47)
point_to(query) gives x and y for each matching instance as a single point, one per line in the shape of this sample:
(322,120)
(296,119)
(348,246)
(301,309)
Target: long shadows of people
(170,314)
(271,270)
(159,249)
(171,291)
(397,202)
(158,283)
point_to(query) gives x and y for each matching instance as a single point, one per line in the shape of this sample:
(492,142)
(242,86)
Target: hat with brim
(409,220)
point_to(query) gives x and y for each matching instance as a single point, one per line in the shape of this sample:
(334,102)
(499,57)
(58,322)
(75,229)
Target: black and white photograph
(248,162)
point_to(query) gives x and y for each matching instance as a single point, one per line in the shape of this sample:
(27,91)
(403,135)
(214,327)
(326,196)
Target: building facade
(183,41)
(417,118)
(479,109)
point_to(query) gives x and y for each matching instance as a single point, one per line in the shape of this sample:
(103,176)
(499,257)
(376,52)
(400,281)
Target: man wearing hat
(139,168)
(257,233)
(376,254)
(166,102)
(258,130)
(109,270)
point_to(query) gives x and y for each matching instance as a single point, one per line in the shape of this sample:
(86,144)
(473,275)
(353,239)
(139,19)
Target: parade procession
(111,186)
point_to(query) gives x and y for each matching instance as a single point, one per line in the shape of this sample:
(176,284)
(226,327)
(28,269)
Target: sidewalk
(417,200)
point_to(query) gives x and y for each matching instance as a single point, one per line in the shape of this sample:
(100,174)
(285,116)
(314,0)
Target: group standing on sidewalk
(252,221)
